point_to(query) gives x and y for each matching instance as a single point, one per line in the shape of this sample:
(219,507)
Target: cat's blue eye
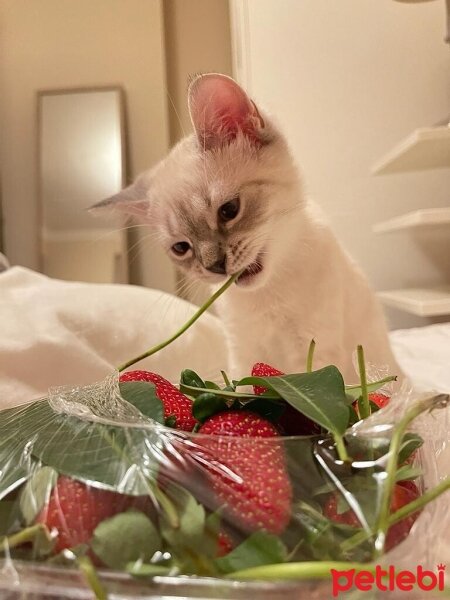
(180,248)
(229,210)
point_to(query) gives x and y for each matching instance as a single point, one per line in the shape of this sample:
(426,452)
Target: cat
(229,197)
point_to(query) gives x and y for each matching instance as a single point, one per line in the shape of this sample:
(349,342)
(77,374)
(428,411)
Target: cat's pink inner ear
(220,109)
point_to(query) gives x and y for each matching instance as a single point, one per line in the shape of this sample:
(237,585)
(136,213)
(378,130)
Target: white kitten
(229,197)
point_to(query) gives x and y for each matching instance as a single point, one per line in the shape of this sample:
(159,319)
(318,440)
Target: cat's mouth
(251,271)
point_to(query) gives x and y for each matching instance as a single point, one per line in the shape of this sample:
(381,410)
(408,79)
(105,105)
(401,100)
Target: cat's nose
(219,266)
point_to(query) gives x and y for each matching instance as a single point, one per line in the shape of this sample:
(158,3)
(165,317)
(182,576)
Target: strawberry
(74,510)
(175,403)
(292,421)
(263,370)
(248,471)
(224,544)
(379,399)
(402,494)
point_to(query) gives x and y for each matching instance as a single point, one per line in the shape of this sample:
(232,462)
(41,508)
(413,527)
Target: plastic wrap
(96,490)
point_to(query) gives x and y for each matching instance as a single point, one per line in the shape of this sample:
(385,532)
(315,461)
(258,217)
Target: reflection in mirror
(81,159)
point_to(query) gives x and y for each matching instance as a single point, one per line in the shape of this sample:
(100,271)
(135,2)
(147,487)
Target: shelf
(426,148)
(417,218)
(431,302)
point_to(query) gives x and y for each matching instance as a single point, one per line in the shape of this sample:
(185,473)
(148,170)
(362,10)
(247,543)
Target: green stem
(298,570)
(382,523)
(184,328)
(417,504)
(403,512)
(164,502)
(363,401)
(92,578)
(226,379)
(340,447)
(190,388)
(310,356)
(378,383)
(168,508)
(22,537)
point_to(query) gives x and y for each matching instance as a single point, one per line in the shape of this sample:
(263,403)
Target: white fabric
(423,354)
(57,332)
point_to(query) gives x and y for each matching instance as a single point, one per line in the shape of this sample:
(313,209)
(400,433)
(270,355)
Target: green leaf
(206,405)
(142,395)
(122,459)
(410,443)
(16,465)
(7,513)
(36,493)
(319,395)
(126,537)
(189,377)
(355,390)
(211,534)
(408,472)
(189,532)
(210,385)
(269,409)
(260,548)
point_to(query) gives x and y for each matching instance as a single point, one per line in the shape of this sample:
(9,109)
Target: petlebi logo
(388,579)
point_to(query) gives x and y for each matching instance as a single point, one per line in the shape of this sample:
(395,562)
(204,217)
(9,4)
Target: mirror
(81,159)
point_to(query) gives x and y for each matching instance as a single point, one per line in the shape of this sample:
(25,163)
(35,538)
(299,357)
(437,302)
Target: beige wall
(198,40)
(71,43)
(347,81)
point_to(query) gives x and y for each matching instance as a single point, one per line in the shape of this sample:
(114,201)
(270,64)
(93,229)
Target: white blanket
(58,332)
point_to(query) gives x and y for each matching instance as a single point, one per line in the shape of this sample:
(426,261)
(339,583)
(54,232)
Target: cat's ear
(130,201)
(220,109)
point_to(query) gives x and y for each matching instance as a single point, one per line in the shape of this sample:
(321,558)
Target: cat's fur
(308,288)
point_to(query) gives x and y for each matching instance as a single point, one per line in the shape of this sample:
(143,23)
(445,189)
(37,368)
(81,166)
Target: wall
(198,40)
(348,80)
(73,43)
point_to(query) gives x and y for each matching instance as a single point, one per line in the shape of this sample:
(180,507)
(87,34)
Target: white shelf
(426,148)
(417,218)
(431,302)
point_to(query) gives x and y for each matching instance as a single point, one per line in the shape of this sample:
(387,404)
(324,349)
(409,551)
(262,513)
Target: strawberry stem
(378,383)
(363,401)
(340,447)
(92,579)
(298,570)
(382,524)
(403,512)
(226,379)
(310,356)
(29,534)
(185,327)
(189,388)
(420,502)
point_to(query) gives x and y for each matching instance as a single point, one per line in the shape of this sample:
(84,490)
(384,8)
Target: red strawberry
(292,421)
(398,532)
(224,544)
(175,403)
(379,399)
(74,510)
(248,474)
(263,370)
